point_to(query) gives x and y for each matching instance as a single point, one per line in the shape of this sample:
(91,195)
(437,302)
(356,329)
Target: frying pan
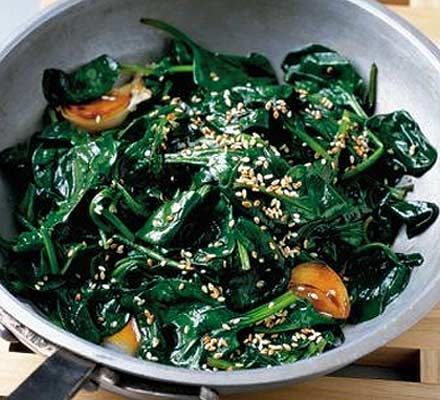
(78,30)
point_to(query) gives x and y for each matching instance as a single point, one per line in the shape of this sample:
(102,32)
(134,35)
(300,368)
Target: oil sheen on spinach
(189,217)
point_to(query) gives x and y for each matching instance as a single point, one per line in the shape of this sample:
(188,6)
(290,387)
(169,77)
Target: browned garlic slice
(110,110)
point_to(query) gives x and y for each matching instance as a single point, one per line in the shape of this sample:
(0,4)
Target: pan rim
(328,361)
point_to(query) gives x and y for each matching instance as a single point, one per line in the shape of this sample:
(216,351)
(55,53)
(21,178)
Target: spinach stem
(221,364)
(109,216)
(266,310)
(298,130)
(125,263)
(377,246)
(370,161)
(131,203)
(354,104)
(400,192)
(52,115)
(149,69)
(50,251)
(118,224)
(24,222)
(244,256)
(372,89)
(150,253)
(73,252)
(185,160)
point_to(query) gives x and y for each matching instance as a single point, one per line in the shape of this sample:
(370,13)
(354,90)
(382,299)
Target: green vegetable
(372,292)
(215,71)
(88,82)
(324,64)
(190,217)
(403,137)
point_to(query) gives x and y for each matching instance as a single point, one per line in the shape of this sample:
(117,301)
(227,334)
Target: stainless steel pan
(75,31)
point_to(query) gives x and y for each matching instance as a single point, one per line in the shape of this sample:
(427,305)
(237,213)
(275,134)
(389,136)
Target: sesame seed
(176,207)
(260,284)
(313,296)
(108,98)
(155,342)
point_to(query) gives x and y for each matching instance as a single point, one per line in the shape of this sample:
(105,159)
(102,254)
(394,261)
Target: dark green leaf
(405,141)
(88,82)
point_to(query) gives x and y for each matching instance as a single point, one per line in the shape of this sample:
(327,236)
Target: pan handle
(63,373)
(142,389)
(58,378)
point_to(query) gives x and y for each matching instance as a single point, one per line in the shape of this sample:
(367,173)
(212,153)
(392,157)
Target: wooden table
(411,363)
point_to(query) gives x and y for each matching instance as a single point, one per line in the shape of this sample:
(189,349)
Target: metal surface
(409,65)
(81,376)
(12,330)
(137,389)
(58,378)
(6,335)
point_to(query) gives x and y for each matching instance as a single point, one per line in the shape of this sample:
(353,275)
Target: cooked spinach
(88,82)
(189,217)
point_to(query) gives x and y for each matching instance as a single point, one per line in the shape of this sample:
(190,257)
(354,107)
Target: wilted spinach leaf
(88,82)
(405,141)
(180,233)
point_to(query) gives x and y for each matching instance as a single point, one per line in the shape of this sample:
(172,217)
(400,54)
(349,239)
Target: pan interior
(408,79)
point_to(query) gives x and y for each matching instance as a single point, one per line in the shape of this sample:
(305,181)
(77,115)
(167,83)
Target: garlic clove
(110,110)
(126,340)
(323,287)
